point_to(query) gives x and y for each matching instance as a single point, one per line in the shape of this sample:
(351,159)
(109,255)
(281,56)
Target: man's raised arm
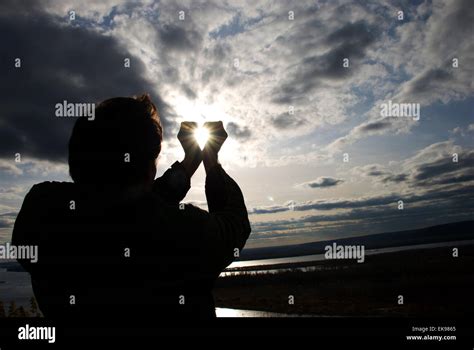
(176,181)
(228,225)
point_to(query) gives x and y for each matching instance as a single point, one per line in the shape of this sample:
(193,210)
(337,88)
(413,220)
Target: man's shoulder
(48,186)
(50,189)
(40,202)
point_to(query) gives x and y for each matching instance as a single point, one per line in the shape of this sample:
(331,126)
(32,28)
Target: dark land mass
(433,283)
(456,231)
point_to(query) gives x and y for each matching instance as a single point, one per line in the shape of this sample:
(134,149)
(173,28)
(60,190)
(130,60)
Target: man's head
(119,146)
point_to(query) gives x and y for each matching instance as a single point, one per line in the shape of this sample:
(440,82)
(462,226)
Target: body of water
(224,312)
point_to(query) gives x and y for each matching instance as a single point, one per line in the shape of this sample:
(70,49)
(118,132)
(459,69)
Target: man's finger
(188,126)
(214,125)
(216,129)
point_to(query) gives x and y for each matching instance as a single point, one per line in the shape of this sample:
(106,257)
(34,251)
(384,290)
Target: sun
(201,134)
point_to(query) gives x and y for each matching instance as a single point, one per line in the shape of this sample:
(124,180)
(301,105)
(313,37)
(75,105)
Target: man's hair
(118,146)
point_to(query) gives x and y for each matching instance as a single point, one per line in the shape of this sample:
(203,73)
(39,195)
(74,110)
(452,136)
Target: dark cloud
(332,204)
(188,92)
(370,219)
(219,52)
(381,173)
(374,126)
(239,132)
(395,178)
(350,41)
(389,201)
(59,62)
(322,182)
(376,173)
(218,59)
(454,179)
(349,204)
(444,170)
(286,121)
(178,38)
(359,35)
(430,80)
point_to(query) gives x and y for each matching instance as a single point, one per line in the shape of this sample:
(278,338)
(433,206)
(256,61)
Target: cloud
(368,215)
(429,77)
(321,182)
(463,131)
(363,130)
(330,204)
(177,38)
(375,126)
(276,61)
(397,178)
(7,220)
(188,92)
(9,167)
(430,166)
(66,62)
(239,132)
(349,41)
(429,80)
(429,175)
(444,170)
(33,167)
(379,173)
(287,121)
(281,62)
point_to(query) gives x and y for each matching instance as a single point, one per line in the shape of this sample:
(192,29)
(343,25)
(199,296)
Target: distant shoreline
(316,259)
(432,282)
(453,231)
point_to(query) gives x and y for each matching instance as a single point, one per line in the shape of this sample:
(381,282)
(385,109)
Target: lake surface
(224,312)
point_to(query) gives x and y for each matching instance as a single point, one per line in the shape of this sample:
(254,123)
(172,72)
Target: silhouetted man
(117,244)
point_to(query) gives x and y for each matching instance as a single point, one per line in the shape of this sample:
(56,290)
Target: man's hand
(217,137)
(192,152)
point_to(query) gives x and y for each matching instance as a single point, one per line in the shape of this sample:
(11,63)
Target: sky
(308,144)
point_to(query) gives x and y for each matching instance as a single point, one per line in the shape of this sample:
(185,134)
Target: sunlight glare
(201,135)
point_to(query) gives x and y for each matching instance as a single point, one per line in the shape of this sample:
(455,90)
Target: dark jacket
(176,252)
